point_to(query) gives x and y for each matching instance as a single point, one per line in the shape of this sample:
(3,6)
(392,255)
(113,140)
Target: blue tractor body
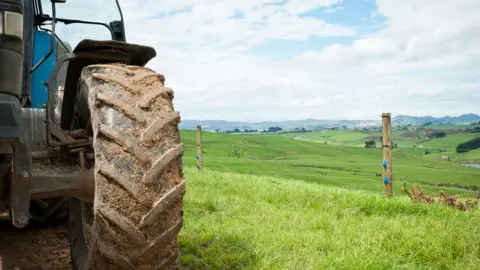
(41,47)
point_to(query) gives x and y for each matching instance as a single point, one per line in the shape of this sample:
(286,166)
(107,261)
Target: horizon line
(317,119)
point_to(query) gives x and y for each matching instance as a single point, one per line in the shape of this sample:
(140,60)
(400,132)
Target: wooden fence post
(387,153)
(199,149)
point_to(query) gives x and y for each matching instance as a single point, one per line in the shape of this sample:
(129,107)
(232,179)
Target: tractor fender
(114,51)
(89,52)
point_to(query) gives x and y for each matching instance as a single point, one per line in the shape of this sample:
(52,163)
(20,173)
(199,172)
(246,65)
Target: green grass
(441,147)
(471,156)
(348,167)
(450,141)
(235,221)
(272,202)
(435,147)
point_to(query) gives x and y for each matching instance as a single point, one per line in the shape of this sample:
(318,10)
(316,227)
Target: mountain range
(309,124)
(418,120)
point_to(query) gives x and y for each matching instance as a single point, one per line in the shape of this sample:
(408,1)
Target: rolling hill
(212,125)
(349,167)
(419,120)
(272,202)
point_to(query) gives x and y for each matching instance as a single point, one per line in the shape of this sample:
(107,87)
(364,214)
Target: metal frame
(50,103)
(48,182)
(13,131)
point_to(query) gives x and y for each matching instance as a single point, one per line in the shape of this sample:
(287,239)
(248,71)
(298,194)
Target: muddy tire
(137,212)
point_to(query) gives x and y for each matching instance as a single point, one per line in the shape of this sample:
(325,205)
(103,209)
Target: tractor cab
(56,28)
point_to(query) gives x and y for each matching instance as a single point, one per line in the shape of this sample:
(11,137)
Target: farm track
(34,247)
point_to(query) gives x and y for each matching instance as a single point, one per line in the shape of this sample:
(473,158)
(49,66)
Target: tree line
(468,146)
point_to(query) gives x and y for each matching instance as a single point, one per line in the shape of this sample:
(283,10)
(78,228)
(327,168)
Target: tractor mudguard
(116,51)
(89,52)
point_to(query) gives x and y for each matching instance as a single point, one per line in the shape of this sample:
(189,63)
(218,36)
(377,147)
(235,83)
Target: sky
(256,60)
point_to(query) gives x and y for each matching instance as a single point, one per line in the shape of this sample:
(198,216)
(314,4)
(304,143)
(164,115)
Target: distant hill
(285,125)
(419,120)
(311,124)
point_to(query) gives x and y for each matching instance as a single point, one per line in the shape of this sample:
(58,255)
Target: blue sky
(359,15)
(256,60)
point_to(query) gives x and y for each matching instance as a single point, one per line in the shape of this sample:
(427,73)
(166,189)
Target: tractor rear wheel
(136,215)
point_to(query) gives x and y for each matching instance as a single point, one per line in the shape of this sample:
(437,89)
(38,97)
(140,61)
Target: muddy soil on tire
(34,247)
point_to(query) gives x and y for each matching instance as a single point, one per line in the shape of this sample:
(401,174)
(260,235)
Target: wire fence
(210,146)
(320,170)
(310,159)
(351,180)
(295,157)
(342,145)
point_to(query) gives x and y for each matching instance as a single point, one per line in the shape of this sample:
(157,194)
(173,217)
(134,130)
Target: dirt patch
(33,247)
(373,138)
(410,135)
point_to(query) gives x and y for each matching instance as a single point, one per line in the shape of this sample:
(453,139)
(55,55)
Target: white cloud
(333,9)
(424,61)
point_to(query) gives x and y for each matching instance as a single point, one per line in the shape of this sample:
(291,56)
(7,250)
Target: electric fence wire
(441,149)
(473,172)
(323,176)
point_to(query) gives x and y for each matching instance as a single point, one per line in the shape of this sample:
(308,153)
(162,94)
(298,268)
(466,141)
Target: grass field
(273,202)
(471,156)
(348,167)
(450,142)
(417,146)
(235,221)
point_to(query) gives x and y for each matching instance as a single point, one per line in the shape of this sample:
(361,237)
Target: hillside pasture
(241,221)
(348,167)
(408,142)
(433,149)
(450,142)
(272,202)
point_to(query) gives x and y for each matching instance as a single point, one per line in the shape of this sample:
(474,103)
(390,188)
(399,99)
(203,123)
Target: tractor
(89,134)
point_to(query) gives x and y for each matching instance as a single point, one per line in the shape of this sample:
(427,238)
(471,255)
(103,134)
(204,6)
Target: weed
(417,195)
